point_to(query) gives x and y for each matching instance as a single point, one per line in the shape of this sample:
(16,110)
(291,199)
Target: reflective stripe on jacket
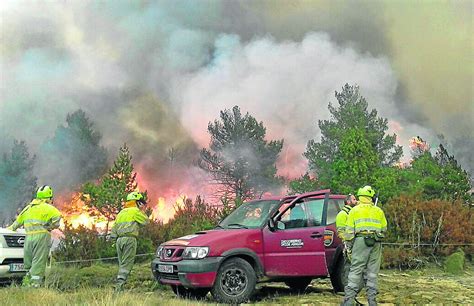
(38,217)
(365,217)
(128,221)
(341,219)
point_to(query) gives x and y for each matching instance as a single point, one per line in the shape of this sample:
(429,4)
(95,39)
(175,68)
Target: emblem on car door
(292,243)
(328,237)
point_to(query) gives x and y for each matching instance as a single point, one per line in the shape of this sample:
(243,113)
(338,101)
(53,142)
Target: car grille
(15,241)
(172,253)
(8,261)
(173,276)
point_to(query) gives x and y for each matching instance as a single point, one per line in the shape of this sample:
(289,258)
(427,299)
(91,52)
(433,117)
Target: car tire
(190,293)
(338,275)
(235,282)
(298,284)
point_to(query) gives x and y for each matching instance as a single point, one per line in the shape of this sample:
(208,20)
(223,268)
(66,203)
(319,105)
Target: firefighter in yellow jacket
(39,218)
(341,219)
(125,230)
(365,227)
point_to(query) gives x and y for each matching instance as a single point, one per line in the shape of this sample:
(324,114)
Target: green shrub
(454,263)
(144,246)
(106,248)
(83,244)
(78,243)
(192,217)
(155,232)
(72,278)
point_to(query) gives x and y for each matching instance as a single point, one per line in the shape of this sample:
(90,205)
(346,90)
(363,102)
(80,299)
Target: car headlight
(195,252)
(159,251)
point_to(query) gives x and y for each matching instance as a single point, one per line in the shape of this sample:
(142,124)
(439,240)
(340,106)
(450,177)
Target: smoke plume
(153,74)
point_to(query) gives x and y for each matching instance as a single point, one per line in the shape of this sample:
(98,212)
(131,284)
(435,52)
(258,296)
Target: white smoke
(287,85)
(194,58)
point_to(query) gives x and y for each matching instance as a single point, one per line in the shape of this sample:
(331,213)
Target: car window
(249,215)
(333,209)
(315,208)
(294,217)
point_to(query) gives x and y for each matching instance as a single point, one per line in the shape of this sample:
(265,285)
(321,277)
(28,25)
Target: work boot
(36,281)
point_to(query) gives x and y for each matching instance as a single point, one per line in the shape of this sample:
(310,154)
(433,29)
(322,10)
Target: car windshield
(249,215)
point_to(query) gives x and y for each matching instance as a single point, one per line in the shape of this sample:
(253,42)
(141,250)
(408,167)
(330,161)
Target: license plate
(17,267)
(165,268)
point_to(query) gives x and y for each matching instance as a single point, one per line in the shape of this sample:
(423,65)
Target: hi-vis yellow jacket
(37,218)
(341,220)
(128,221)
(365,218)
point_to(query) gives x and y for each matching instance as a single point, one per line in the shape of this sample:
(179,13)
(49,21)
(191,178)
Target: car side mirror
(280,225)
(271,225)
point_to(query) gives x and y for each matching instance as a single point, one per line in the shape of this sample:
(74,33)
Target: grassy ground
(92,286)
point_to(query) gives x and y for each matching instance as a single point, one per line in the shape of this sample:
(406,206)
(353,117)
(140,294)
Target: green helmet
(44,192)
(135,196)
(366,191)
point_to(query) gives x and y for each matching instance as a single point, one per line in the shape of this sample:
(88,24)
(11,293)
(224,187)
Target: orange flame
(418,144)
(163,212)
(77,213)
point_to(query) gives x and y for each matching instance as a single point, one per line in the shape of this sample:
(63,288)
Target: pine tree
(74,155)
(352,132)
(455,180)
(239,159)
(17,182)
(109,194)
(437,176)
(354,164)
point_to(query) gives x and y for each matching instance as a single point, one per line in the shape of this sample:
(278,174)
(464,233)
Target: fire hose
(98,259)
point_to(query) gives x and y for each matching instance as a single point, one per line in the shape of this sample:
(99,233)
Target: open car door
(295,245)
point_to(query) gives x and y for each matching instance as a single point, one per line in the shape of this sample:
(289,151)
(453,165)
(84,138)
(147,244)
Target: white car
(11,255)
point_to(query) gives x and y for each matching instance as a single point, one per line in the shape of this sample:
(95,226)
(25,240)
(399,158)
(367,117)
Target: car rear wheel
(10,281)
(235,282)
(338,277)
(192,293)
(298,284)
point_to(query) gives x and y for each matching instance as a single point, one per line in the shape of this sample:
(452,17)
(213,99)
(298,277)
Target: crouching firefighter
(125,231)
(365,227)
(38,218)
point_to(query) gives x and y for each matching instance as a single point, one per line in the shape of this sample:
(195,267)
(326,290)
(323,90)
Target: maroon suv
(291,239)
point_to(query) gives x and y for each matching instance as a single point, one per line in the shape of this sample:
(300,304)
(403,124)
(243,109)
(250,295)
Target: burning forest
(78,211)
(127,124)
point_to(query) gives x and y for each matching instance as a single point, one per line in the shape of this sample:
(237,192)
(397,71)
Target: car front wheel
(235,282)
